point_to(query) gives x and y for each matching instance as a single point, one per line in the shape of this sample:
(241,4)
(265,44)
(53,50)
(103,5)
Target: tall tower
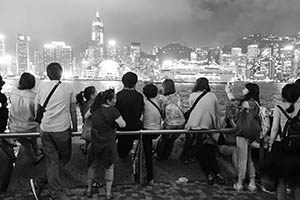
(22,51)
(98,30)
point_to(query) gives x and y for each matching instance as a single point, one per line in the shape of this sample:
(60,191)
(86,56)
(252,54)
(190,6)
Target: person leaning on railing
(21,117)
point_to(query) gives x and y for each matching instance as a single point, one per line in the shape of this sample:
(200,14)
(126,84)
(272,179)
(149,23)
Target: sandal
(83,149)
(109,197)
(96,185)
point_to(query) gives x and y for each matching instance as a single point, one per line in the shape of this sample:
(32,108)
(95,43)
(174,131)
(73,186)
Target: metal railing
(140,133)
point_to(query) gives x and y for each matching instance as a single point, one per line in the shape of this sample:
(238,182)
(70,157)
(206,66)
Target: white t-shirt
(151,118)
(57,116)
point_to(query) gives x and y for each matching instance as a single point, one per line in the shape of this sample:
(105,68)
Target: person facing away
(244,155)
(284,167)
(58,122)
(84,100)
(152,120)
(3,108)
(103,149)
(22,113)
(130,103)
(173,118)
(204,116)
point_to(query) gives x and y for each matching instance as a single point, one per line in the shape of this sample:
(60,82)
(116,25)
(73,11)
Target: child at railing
(84,100)
(103,149)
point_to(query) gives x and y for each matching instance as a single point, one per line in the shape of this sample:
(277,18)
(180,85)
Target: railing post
(141,159)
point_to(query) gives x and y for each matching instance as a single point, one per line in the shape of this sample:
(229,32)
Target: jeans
(147,144)
(245,162)
(57,148)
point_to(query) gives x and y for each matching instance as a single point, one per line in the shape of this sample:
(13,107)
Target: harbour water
(270,93)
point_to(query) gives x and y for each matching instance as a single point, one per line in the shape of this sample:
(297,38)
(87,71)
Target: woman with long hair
(282,166)
(204,116)
(103,138)
(245,162)
(22,114)
(173,118)
(84,100)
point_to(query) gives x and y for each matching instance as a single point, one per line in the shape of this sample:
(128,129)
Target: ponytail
(97,102)
(79,99)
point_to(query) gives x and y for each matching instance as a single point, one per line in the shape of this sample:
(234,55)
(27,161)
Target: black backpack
(290,137)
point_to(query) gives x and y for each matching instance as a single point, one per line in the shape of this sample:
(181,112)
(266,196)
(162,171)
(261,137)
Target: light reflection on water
(269,92)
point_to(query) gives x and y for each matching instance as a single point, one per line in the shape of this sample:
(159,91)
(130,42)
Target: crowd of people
(154,109)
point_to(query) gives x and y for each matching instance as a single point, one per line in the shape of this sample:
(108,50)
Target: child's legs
(242,154)
(91,174)
(109,177)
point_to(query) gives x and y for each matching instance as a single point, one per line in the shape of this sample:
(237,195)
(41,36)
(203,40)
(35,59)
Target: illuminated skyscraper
(38,63)
(2,45)
(58,52)
(98,30)
(22,51)
(135,51)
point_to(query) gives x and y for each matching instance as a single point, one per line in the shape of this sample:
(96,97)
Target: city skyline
(193,23)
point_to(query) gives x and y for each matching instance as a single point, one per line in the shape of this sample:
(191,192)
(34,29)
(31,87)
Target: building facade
(22,52)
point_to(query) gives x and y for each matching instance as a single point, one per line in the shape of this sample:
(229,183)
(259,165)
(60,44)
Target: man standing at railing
(56,130)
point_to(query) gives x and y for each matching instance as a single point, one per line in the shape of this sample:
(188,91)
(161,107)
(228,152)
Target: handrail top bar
(143,132)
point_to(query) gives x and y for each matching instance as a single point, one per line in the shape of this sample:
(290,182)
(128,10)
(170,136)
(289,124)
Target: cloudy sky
(152,22)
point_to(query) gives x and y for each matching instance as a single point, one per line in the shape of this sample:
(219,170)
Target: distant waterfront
(269,92)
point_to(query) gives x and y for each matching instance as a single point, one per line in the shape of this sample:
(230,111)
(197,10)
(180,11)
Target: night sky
(151,22)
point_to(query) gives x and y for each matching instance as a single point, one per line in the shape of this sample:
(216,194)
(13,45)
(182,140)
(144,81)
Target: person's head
(2,82)
(26,82)
(168,87)
(54,71)
(297,82)
(3,100)
(290,94)
(251,91)
(201,85)
(89,93)
(150,91)
(108,97)
(129,80)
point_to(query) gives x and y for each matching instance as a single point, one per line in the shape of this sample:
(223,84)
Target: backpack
(264,118)
(248,124)
(290,137)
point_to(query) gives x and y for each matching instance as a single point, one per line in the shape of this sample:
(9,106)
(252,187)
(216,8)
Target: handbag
(188,113)
(41,109)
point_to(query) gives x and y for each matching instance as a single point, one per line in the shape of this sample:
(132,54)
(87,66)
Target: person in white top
(55,130)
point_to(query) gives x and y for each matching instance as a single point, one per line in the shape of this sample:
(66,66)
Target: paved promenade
(190,190)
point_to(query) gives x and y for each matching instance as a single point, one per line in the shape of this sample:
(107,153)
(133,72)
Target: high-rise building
(98,30)
(253,51)
(38,64)
(135,51)
(236,51)
(22,51)
(2,45)
(58,52)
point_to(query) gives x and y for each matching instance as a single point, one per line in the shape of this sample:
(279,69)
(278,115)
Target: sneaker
(264,189)
(252,188)
(219,179)
(35,188)
(238,187)
(210,179)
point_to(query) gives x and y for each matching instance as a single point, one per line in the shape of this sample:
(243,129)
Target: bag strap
(50,94)
(284,112)
(156,106)
(197,100)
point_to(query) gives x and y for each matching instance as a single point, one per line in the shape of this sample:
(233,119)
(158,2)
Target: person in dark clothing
(130,104)
(3,108)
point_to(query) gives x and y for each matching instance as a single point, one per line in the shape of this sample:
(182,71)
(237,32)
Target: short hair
(297,82)
(54,71)
(291,94)
(201,85)
(150,90)
(129,79)
(168,87)
(26,82)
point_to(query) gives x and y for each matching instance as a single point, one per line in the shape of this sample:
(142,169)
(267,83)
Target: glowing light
(168,62)
(288,48)
(112,42)
(2,36)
